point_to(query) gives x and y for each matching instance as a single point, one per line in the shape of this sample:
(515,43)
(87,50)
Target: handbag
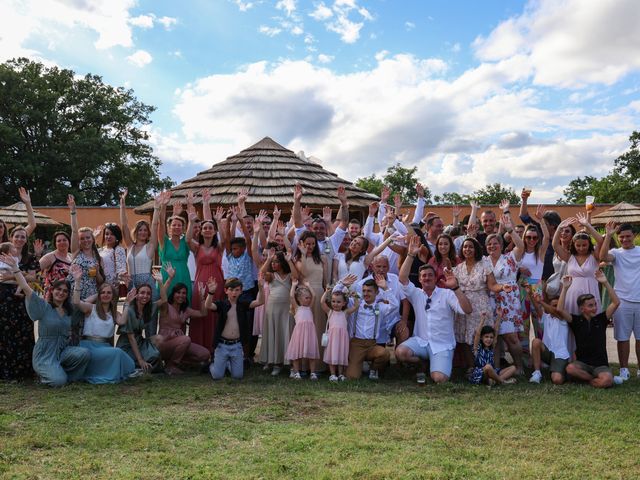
(324,341)
(122,288)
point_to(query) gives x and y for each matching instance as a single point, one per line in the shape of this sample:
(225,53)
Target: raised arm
(412,251)
(326,216)
(563,253)
(31,218)
(545,232)
(202,312)
(419,211)
(376,251)
(126,233)
(193,246)
(84,307)
(610,229)
(206,204)
(162,220)
(75,244)
(559,311)
(212,285)
(323,300)
(344,208)
(260,299)
(613,296)
(518,251)
(292,267)
(292,295)
(152,245)
(524,209)
(273,229)
(473,218)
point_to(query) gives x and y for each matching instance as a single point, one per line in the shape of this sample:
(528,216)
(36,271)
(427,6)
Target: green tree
(371,184)
(494,193)
(399,179)
(622,184)
(451,198)
(60,134)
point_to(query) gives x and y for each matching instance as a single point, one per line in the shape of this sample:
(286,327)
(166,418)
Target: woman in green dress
(173,247)
(138,314)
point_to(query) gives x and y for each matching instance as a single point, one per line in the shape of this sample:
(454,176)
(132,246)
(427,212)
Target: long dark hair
(147,310)
(365,247)
(66,305)
(315,253)
(214,240)
(24,253)
(176,287)
(536,249)
(115,230)
(284,265)
(452,250)
(477,249)
(5,235)
(580,236)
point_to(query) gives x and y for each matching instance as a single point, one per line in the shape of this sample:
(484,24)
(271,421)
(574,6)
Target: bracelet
(73,213)
(211,293)
(456,288)
(410,255)
(506,212)
(17,271)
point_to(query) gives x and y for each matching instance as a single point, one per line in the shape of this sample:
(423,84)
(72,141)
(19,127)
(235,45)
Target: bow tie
(369,307)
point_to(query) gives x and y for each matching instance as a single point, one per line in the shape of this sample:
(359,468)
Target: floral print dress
(474,285)
(507,304)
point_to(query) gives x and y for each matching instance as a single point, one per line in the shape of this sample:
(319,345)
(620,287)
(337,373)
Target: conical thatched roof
(270,172)
(16,214)
(621,213)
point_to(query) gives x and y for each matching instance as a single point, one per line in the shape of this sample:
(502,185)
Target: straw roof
(621,213)
(270,172)
(17,214)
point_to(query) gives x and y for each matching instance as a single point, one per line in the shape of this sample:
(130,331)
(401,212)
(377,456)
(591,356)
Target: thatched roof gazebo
(621,213)
(270,172)
(16,214)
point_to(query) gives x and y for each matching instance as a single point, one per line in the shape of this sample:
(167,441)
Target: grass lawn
(189,427)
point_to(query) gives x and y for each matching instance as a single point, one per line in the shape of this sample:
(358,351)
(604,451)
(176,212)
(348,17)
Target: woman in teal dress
(108,364)
(173,247)
(54,360)
(139,313)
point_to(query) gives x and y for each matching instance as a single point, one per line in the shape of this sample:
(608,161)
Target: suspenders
(376,314)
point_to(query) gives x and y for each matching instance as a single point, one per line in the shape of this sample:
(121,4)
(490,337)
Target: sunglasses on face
(528,237)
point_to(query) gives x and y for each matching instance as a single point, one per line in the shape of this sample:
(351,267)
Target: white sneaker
(333,378)
(421,378)
(618,380)
(342,378)
(624,374)
(292,373)
(138,372)
(366,366)
(536,377)
(296,376)
(313,377)
(373,374)
(276,371)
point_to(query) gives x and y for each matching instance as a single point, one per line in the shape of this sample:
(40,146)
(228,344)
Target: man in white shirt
(434,308)
(365,326)
(626,268)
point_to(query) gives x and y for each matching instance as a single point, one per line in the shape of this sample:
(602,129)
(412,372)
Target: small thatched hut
(16,214)
(621,213)
(270,172)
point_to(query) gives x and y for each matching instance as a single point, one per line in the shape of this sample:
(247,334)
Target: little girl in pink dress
(336,354)
(303,344)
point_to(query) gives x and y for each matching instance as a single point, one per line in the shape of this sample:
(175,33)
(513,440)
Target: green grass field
(189,427)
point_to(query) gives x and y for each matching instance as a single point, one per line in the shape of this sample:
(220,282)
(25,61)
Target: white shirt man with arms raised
(434,307)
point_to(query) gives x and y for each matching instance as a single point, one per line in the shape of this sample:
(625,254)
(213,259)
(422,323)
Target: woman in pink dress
(208,250)
(175,347)
(582,262)
(303,344)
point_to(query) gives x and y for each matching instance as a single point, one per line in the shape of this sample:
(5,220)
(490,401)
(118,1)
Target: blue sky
(524,93)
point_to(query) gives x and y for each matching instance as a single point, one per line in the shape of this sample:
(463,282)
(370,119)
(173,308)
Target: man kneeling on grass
(590,331)
(230,329)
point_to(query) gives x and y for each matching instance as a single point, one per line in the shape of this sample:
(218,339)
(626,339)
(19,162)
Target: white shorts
(626,320)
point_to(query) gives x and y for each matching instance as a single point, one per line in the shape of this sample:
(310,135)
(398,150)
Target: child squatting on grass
(484,368)
(336,353)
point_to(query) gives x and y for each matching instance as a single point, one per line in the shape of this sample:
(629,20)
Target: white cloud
(455,48)
(140,58)
(269,31)
(338,18)
(168,22)
(570,43)
(322,58)
(297,30)
(409,25)
(142,21)
(242,5)
(322,12)
(289,6)
(482,126)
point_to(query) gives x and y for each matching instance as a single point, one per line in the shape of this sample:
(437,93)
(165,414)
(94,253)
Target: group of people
(318,293)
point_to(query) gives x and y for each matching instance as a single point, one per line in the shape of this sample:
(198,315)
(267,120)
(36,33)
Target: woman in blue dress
(54,360)
(108,364)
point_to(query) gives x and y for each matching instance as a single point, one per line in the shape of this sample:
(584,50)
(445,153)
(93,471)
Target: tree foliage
(62,134)
(491,194)
(622,184)
(399,179)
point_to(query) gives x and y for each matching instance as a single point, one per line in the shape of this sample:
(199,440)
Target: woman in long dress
(507,304)
(582,263)
(208,250)
(278,270)
(475,279)
(55,361)
(55,265)
(173,246)
(108,364)
(142,243)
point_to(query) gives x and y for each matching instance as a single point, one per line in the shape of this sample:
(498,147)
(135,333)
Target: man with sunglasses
(433,338)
